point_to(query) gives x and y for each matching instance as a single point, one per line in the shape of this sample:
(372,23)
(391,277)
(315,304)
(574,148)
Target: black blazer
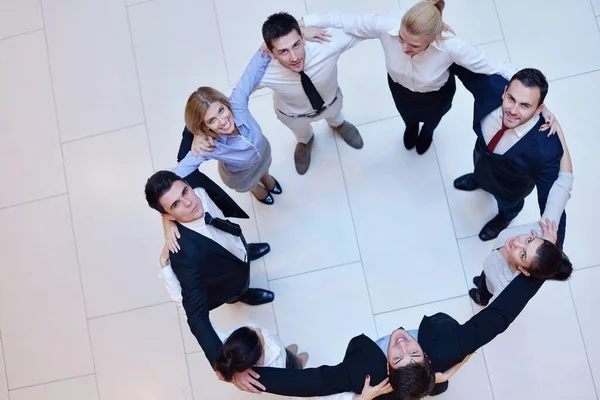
(535,156)
(209,274)
(442,338)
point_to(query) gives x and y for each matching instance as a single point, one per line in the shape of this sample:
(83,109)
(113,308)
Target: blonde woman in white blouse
(419,49)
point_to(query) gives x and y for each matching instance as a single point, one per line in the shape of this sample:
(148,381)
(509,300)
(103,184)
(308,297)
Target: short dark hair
(157,185)
(413,381)
(241,350)
(531,77)
(278,25)
(550,263)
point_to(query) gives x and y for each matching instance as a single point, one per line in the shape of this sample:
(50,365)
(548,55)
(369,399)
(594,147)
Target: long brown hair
(425,19)
(196,107)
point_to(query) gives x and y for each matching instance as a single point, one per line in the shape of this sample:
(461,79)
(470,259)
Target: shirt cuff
(312,20)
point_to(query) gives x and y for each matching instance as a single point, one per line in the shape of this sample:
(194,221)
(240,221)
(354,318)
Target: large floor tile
(19,16)
(204,380)
(473,253)
(83,388)
(313,210)
(596,6)
(584,286)
(240,29)
(93,68)
(3,384)
(471,382)
(322,310)
(542,353)
(40,295)
(353,6)
(30,143)
(525,45)
(578,123)
(119,237)
(139,354)
(175,53)
(400,210)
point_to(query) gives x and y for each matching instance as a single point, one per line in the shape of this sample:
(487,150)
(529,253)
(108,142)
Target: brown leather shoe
(350,134)
(302,156)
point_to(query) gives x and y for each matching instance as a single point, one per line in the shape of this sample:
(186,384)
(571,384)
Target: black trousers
(484,294)
(292,362)
(428,107)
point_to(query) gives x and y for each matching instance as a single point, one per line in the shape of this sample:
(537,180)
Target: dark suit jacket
(443,339)
(535,155)
(209,274)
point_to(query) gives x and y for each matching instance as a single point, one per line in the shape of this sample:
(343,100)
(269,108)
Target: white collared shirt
(425,72)
(320,64)
(231,243)
(492,123)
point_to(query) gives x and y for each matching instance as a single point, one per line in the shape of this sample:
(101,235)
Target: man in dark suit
(511,155)
(411,365)
(213,265)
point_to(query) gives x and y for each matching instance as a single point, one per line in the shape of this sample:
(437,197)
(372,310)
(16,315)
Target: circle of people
(519,146)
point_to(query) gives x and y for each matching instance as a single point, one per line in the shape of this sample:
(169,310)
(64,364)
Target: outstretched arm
(365,26)
(253,74)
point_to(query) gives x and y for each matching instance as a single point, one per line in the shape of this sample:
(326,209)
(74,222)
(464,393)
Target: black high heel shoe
(276,188)
(267,200)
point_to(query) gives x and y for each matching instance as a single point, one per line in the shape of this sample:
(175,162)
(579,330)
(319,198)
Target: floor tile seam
(77,255)
(222,44)
(422,304)
(501,30)
(95,317)
(187,364)
(16,35)
(52,381)
(314,270)
(583,339)
(139,85)
(575,270)
(137,4)
(23,203)
(4,363)
(94,135)
(577,74)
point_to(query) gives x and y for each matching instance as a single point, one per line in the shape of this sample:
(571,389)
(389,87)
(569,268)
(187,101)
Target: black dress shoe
(256,297)
(267,200)
(410,135)
(476,280)
(424,140)
(474,295)
(492,229)
(439,388)
(276,189)
(257,250)
(466,182)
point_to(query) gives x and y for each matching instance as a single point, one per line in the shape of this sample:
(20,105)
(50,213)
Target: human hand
(370,392)
(549,230)
(163,259)
(447,28)
(202,143)
(318,35)
(247,381)
(551,122)
(171,235)
(263,48)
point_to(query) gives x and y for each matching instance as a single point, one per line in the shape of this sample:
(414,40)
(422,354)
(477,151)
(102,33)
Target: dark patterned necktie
(316,101)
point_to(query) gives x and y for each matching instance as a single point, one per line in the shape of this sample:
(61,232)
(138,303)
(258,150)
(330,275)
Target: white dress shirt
(425,72)
(491,124)
(231,243)
(320,64)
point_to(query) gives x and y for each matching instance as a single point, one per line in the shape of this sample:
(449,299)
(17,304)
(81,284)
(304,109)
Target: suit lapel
(206,243)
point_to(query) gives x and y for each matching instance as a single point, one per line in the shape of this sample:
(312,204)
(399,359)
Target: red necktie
(494,142)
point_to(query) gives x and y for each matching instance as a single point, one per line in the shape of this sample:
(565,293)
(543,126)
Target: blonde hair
(196,107)
(425,19)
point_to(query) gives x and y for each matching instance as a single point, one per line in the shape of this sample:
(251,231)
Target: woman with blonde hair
(419,49)
(243,152)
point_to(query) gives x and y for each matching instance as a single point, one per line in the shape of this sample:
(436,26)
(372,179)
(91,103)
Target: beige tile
(353,6)
(177,49)
(240,29)
(538,47)
(40,295)
(3,384)
(400,211)
(118,236)
(30,145)
(205,381)
(313,210)
(333,302)
(139,355)
(471,381)
(584,286)
(542,353)
(93,67)
(19,16)
(596,6)
(83,388)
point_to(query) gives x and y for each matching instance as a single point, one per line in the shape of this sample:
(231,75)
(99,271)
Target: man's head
(523,98)
(284,40)
(411,374)
(173,197)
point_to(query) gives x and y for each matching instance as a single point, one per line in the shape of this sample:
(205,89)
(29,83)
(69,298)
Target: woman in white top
(530,249)
(419,51)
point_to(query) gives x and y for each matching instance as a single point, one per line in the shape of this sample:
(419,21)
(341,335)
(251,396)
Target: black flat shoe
(410,135)
(257,250)
(492,229)
(424,140)
(439,388)
(277,188)
(256,297)
(267,200)
(476,280)
(474,295)
(466,183)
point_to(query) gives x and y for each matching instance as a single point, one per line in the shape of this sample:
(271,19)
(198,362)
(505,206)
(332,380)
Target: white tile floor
(91,102)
